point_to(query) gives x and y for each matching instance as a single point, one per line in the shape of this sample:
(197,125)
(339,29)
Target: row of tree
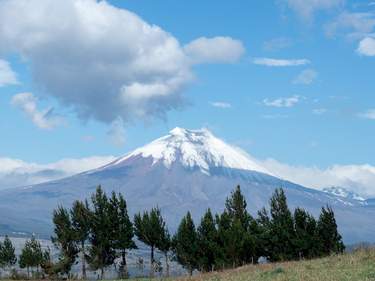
(101,232)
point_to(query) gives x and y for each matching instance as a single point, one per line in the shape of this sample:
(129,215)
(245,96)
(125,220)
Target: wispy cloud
(357,178)
(214,50)
(306,9)
(366,47)
(7,75)
(43,119)
(319,111)
(280,62)
(283,101)
(15,172)
(306,77)
(277,44)
(116,132)
(221,104)
(369,114)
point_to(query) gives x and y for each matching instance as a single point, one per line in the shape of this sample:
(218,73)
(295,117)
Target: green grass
(357,266)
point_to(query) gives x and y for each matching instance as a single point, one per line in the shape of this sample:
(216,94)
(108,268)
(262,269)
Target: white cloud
(280,62)
(354,25)
(319,111)
(221,104)
(116,132)
(15,172)
(283,102)
(366,47)
(277,44)
(7,75)
(369,114)
(357,178)
(102,61)
(43,119)
(306,8)
(306,77)
(214,50)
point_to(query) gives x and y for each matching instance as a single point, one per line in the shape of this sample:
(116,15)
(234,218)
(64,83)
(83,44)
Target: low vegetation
(356,266)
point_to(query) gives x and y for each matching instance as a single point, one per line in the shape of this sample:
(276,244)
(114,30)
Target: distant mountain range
(185,170)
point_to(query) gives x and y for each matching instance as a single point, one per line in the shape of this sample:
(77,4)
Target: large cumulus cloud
(102,61)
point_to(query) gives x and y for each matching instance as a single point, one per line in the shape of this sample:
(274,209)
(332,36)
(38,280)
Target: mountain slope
(185,170)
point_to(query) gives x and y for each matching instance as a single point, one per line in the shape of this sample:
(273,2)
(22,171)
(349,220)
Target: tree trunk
(124,266)
(166,264)
(83,260)
(102,273)
(28,272)
(152,262)
(190,271)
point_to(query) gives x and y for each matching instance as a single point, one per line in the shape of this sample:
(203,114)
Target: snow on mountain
(186,170)
(195,149)
(344,193)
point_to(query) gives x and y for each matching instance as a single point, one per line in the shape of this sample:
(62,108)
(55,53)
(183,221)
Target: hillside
(357,266)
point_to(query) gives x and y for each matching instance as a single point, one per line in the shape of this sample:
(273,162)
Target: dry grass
(358,266)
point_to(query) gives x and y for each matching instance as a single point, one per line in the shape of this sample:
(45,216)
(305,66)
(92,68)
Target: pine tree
(282,228)
(241,231)
(264,243)
(7,253)
(185,244)
(122,228)
(101,253)
(150,228)
(81,219)
(305,230)
(329,237)
(165,245)
(64,239)
(31,255)
(208,245)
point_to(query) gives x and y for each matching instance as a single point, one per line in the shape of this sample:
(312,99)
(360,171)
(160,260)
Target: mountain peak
(195,149)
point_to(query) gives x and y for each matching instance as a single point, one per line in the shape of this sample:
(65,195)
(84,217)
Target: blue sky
(315,110)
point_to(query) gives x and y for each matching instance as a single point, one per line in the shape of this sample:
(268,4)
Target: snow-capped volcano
(186,170)
(194,149)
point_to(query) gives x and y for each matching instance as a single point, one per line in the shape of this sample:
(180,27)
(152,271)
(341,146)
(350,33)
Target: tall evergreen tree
(264,243)
(150,228)
(122,228)
(101,253)
(7,253)
(282,228)
(305,230)
(329,237)
(81,219)
(165,245)
(31,255)
(186,244)
(241,231)
(208,246)
(64,239)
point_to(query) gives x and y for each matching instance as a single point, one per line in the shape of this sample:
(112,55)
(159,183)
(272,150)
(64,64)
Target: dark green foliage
(208,242)
(150,229)
(81,217)
(186,244)
(237,230)
(7,254)
(101,253)
(165,246)
(306,242)
(329,238)
(282,234)
(122,230)
(31,256)
(64,239)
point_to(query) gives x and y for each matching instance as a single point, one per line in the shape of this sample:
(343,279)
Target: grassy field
(356,266)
